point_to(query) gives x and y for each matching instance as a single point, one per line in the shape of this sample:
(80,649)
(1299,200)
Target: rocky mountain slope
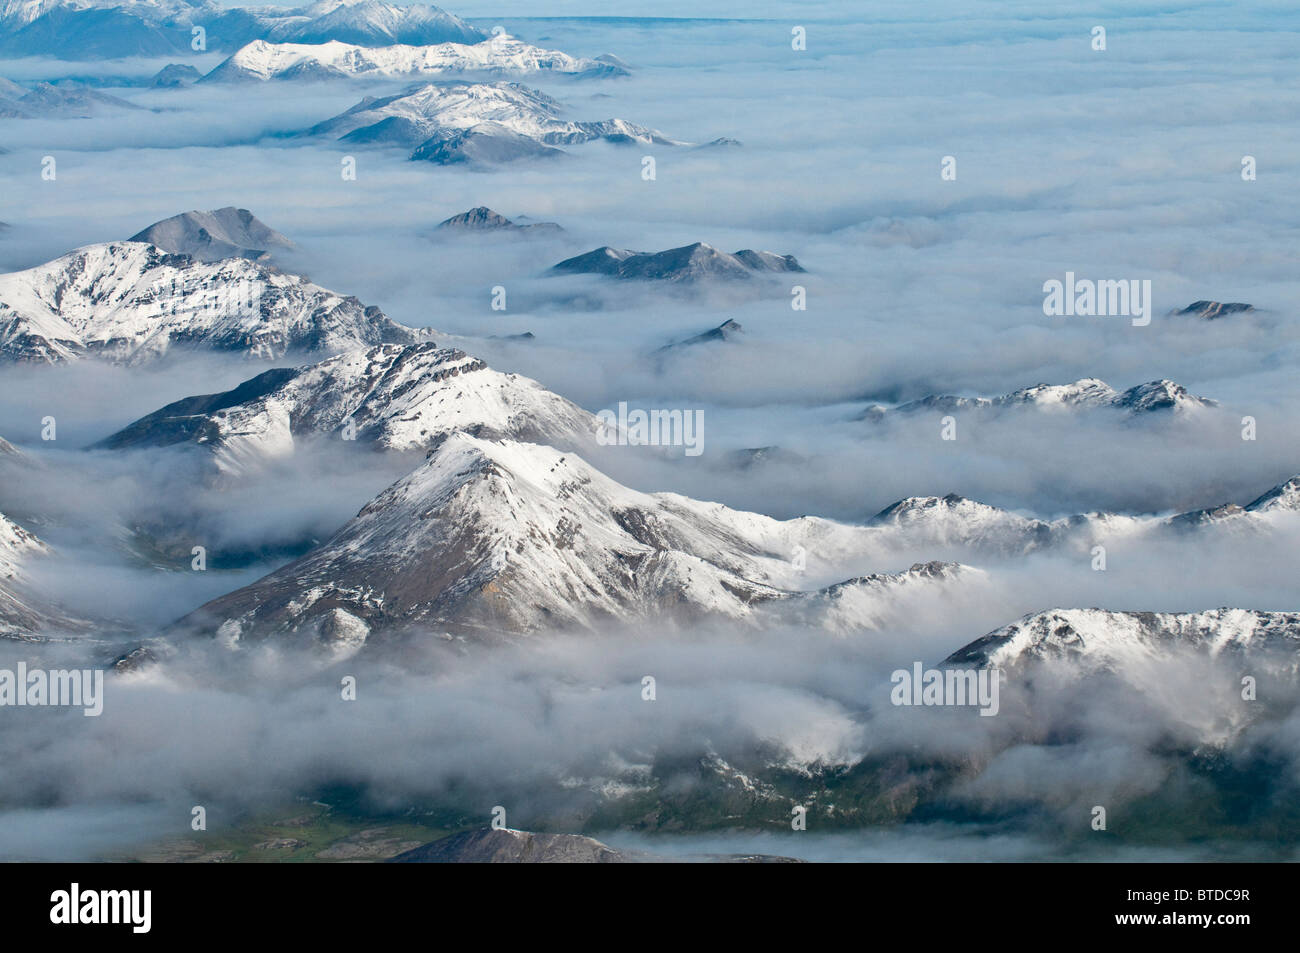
(439,120)
(512,537)
(1214,310)
(483,219)
(24,612)
(130,303)
(393,397)
(502,56)
(728,330)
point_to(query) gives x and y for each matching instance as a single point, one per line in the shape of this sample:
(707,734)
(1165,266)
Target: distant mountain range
(89,29)
(954,520)
(261,61)
(1093,639)
(55,101)
(483,219)
(493,537)
(689,263)
(448,123)
(1085,394)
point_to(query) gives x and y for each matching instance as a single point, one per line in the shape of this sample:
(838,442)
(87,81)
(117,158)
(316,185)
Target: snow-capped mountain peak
(1102,639)
(954,520)
(129,302)
(392,397)
(1284,498)
(521,120)
(374,23)
(261,60)
(1087,393)
(1159,395)
(503,536)
(90,29)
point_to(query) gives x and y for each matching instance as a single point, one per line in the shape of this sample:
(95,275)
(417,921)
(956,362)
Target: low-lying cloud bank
(740,730)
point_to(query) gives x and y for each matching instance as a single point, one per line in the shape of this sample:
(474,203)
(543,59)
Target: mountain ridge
(393,397)
(506,537)
(132,303)
(695,262)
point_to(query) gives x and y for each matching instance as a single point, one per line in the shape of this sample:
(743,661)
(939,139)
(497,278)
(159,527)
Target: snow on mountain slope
(1094,639)
(514,537)
(1085,394)
(1280,503)
(956,522)
(431,106)
(48,101)
(130,303)
(435,118)
(211,236)
(391,396)
(1283,498)
(84,29)
(488,143)
(23,613)
(17,546)
(22,12)
(695,262)
(372,23)
(1161,395)
(501,56)
(874,601)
